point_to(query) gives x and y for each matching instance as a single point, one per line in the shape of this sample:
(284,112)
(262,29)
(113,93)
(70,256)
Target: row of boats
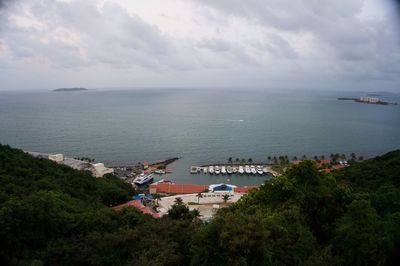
(247,169)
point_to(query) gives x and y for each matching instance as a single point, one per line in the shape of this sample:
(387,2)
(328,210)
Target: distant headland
(367,100)
(70,89)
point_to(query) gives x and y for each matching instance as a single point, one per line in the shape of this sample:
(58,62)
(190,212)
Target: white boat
(163,181)
(211,169)
(265,169)
(159,171)
(223,170)
(253,169)
(217,170)
(260,170)
(143,179)
(194,170)
(234,169)
(205,170)
(241,170)
(229,170)
(247,169)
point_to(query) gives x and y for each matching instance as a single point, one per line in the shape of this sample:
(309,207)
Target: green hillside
(53,215)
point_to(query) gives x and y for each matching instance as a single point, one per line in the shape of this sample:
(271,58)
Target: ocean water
(200,126)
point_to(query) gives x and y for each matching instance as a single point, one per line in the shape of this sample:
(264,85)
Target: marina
(224,169)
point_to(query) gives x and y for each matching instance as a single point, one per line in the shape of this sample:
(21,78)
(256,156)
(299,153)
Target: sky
(266,44)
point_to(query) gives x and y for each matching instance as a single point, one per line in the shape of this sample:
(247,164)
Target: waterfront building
(205,202)
(366,99)
(56,157)
(99,170)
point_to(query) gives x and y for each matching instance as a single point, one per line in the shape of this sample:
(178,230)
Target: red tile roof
(243,189)
(321,163)
(138,205)
(338,166)
(178,188)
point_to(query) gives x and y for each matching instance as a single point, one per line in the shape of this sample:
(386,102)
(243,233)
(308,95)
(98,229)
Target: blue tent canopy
(223,187)
(143,197)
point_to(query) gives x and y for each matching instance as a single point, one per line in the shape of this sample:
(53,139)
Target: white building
(56,157)
(99,170)
(369,99)
(373,100)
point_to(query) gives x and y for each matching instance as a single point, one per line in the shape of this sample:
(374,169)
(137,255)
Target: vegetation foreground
(53,215)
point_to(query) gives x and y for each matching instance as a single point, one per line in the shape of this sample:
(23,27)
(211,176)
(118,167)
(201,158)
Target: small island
(70,89)
(367,100)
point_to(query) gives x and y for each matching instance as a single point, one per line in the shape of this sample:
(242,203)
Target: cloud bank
(343,44)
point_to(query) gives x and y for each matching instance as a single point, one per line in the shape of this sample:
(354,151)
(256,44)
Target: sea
(200,126)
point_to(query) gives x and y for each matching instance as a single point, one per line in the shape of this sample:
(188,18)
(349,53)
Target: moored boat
(241,170)
(247,169)
(265,169)
(229,170)
(217,170)
(159,171)
(143,179)
(223,170)
(253,170)
(211,169)
(260,170)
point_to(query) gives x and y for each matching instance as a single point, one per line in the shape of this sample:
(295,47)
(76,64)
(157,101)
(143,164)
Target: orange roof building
(138,205)
(170,188)
(243,189)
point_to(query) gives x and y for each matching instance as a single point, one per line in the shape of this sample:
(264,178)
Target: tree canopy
(51,214)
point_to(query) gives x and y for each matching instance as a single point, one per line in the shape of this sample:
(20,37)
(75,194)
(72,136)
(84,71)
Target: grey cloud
(107,35)
(277,46)
(224,52)
(226,42)
(334,25)
(3,3)
(216,45)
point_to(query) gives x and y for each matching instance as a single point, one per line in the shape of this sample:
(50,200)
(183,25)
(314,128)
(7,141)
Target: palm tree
(304,157)
(250,160)
(322,157)
(275,160)
(353,156)
(237,160)
(294,158)
(243,160)
(199,195)
(269,158)
(230,160)
(226,197)
(178,200)
(157,197)
(316,158)
(336,157)
(195,213)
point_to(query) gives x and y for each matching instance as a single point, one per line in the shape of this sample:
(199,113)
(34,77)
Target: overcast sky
(271,44)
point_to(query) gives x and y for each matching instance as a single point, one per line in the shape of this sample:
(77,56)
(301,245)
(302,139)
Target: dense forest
(53,215)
